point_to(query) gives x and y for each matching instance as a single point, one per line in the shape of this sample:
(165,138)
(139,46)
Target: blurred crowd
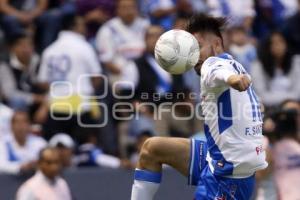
(80,76)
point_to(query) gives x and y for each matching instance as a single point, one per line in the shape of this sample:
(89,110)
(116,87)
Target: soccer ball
(177,51)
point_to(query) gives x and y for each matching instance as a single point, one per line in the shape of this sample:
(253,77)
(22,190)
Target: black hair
(206,23)
(69,21)
(266,57)
(145,133)
(286,123)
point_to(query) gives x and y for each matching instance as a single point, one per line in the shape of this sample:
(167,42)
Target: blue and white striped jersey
(233,120)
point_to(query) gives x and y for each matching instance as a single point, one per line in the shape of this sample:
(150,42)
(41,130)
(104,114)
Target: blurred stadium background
(80,76)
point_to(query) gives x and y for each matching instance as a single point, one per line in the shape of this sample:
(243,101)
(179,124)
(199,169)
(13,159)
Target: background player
(224,166)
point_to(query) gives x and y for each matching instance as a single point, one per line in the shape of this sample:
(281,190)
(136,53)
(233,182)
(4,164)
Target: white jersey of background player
(69,65)
(235,137)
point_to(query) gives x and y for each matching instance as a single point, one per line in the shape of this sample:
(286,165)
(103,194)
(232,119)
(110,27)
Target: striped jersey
(233,120)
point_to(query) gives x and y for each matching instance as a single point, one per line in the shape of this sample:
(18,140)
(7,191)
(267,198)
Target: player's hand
(239,82)
(126,164)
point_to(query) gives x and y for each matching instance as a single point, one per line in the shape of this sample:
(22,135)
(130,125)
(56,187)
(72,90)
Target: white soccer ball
(177,51)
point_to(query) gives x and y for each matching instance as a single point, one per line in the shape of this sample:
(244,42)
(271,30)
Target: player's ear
(217,44)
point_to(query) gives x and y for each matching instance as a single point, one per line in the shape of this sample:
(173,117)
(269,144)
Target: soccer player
(224,166)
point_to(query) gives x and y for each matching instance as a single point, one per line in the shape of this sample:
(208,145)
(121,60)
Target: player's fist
(126,164)
(239,82)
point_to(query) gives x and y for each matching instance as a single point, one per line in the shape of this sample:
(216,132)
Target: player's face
(206,49)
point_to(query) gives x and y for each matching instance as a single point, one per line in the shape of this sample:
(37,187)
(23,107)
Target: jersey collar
(225,56)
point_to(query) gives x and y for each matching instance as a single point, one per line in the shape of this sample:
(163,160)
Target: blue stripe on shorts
(198,161)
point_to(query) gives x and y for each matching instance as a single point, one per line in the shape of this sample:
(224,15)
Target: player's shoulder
(213,62)
(224,59)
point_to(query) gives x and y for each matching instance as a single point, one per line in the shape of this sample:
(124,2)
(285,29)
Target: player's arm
(239,82)
(220,74)
(107,49)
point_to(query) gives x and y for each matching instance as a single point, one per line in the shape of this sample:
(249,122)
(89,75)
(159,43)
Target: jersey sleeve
(43,70)
(216,73)
(92,62)
(104,44)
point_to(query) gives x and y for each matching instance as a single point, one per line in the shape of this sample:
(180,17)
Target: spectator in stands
(142,120)
(49,24)
(271,15)
(286,155)
(89,154)
(32,16)
(292,31)
(286,8)
(95,12)
(122,39)
(263,22)
(19,13)
(152,78)
(179,119)
(18,73)
(181,22)
(46,183)
(71,67)
(189,7)
(18,153)
(184,8)
(241,48)
(140,139)
(6,114)
(276,76)
(160,12)
(239,13)
(293,105)
(282,9)
(198,6)
(65,146)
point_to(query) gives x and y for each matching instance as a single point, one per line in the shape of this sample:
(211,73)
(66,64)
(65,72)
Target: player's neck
(217,50)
